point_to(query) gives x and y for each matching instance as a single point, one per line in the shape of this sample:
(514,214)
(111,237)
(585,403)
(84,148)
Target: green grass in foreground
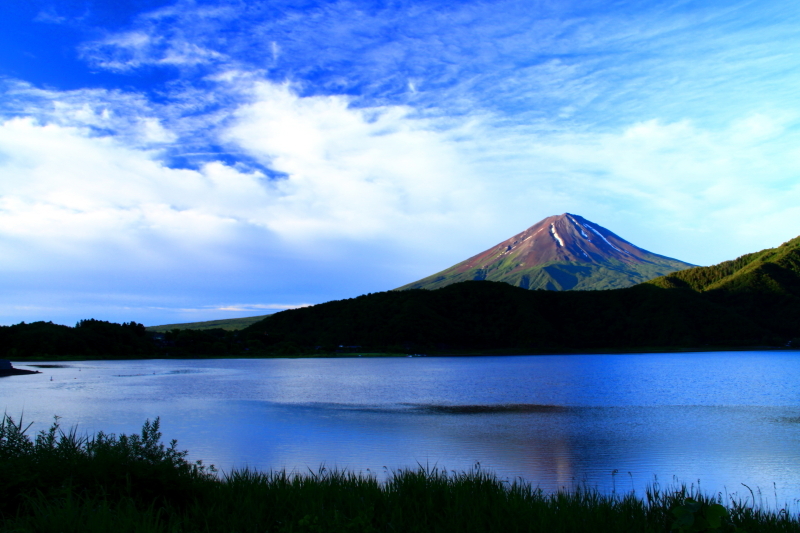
(62,482)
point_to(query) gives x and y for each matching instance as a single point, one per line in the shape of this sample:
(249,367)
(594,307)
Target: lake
(616,422)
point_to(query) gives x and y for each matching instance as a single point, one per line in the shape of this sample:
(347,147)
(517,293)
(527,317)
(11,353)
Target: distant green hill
(764,286)
(228,324)
(772,270)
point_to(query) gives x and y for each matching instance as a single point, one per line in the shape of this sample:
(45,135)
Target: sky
(173,161)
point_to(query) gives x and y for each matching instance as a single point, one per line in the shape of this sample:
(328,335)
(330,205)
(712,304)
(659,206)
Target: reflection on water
(611,421)
(498,408)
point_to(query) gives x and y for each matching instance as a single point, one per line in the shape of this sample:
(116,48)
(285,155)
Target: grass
(61,482)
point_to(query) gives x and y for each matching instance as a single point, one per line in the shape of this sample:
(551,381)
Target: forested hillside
(486,315)
(764,286)
(739,273)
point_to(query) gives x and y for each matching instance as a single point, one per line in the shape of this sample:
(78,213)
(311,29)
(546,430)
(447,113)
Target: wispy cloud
(565,63)
(128,51)
(50,16)
(81,190)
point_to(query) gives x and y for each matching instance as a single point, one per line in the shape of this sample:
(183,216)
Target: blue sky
(177,161)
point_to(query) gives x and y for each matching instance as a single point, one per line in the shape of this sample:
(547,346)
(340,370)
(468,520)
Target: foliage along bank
(60,481)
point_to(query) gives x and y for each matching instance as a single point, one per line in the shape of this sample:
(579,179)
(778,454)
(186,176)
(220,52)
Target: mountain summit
(562,252)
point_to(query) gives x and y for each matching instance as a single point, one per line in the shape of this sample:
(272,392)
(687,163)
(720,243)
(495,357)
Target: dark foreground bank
(60,481)
(17,372)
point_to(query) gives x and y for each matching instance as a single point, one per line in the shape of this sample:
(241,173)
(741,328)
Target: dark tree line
(485,316)
(91,338)
(471,316)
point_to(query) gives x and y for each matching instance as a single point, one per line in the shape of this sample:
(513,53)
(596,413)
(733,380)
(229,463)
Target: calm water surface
(612,421)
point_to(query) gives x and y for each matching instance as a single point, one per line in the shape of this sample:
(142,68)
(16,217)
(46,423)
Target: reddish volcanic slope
(559,253)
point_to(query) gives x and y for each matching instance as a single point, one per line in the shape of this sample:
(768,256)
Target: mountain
(753,300)
(563,252)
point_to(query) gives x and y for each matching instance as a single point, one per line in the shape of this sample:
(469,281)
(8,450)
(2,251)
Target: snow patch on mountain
(555,235)
(606,240)
(579,228)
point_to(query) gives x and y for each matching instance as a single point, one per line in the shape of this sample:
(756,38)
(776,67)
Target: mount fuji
(562,252)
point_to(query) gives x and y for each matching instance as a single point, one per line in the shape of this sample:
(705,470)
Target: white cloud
(90,198)
(129,117)
(372,172)
(374,175)
(353,174)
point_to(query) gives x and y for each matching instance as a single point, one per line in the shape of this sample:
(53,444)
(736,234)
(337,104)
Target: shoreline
(465,353)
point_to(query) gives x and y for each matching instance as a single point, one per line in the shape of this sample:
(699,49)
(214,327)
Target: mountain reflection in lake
(611,421)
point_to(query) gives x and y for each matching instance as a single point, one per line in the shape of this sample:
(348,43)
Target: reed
(61,482)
